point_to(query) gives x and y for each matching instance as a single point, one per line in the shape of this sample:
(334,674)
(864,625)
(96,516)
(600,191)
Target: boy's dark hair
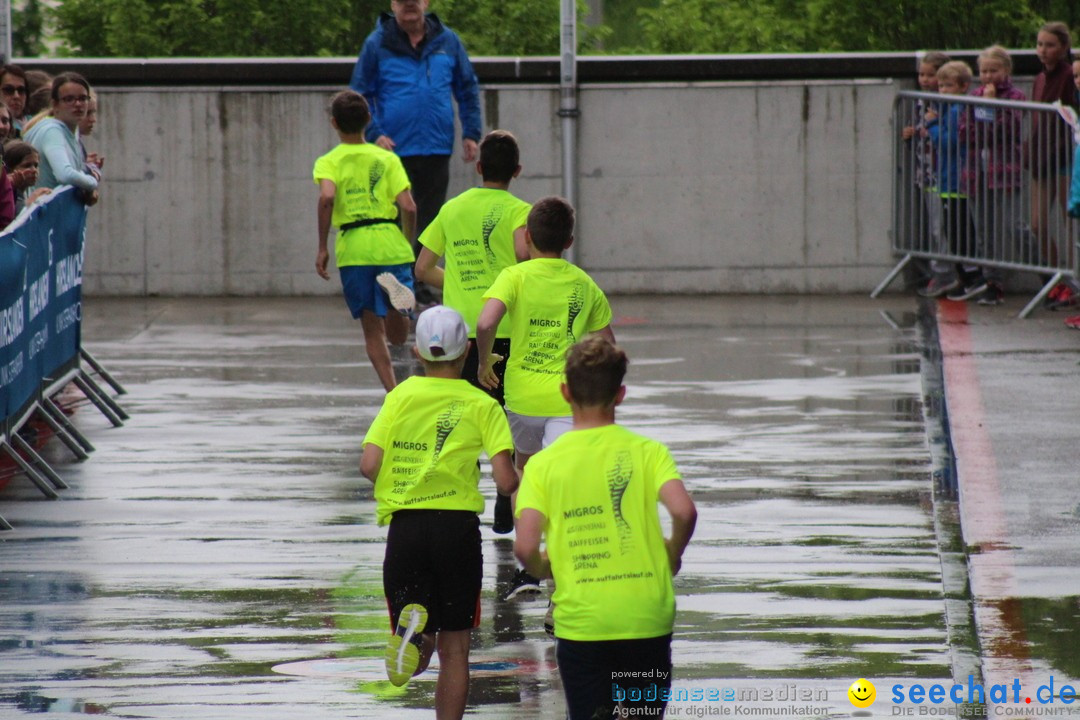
(499,156)
(350,110)
(551,224)
(595,369)
(37,79)
(38,100)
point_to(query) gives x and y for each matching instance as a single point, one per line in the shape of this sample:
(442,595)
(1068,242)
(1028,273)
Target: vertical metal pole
(568,109)
(5,31)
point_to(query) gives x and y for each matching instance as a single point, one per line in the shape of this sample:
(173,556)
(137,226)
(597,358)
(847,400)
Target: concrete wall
(769,186)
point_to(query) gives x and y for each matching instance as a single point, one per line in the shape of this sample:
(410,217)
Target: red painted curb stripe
(991,564)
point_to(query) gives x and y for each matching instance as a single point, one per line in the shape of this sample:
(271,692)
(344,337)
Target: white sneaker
(401,297)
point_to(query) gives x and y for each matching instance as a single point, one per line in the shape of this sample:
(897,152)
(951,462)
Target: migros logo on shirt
(583,511)
(410,445)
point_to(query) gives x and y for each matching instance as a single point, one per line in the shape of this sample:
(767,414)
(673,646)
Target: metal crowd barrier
(40,338)
(985,183)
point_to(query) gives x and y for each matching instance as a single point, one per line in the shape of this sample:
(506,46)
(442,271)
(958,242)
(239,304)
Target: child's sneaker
(938,287)
(523,582)
(976,287)
(992,295)
(402,651)
(401,297)
(1073,322)
(504,515)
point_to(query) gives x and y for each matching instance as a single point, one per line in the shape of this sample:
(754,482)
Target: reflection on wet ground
(217,557)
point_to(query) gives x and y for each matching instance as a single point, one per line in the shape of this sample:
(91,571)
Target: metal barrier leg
(4,524)
(39,462)
(57,414)
(99,402)
(58,430)
(30,472)
(113,405)
(102,371)
(1030,307)
(891,276)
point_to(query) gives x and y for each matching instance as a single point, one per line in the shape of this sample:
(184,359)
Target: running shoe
(992,295)
(403,651)
(523,582)
(504,515)
(938,287)
(1073,322)
(401,297)
(549,620)
(969,291)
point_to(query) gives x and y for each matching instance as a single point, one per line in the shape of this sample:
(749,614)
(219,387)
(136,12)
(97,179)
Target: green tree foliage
(268,28)
(736,26)
(27,28)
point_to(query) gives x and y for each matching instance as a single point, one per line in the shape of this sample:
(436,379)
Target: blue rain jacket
(409,89)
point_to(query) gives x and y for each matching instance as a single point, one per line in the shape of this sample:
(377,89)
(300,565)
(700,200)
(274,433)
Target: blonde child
(993,179)
(943,129)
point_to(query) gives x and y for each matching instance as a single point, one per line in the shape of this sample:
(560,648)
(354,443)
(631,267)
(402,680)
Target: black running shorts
(433,558)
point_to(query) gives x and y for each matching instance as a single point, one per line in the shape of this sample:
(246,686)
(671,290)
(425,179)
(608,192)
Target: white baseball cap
(441,334)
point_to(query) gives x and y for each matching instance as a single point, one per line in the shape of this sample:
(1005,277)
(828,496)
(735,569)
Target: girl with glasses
(56,139)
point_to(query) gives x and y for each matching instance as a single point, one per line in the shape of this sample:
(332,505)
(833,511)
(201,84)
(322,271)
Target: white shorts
(532,434)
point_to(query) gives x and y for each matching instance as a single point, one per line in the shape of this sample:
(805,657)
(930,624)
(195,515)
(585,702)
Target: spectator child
(21,164)
(1050,148)
(615,611)
(361,189)
(1074,193)
(992,179)
(922,158)
(56,140)
(421,453)
(943,130)
(94,161)
(6,127)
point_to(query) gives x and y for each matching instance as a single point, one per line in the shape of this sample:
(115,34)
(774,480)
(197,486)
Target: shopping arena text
(974,692)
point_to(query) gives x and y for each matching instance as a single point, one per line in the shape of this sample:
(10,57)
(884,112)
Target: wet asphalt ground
(217,556)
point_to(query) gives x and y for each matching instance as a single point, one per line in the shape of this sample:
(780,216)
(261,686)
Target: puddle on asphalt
(217,556)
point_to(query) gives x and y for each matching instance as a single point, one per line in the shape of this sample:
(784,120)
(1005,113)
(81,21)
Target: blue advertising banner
(41,257)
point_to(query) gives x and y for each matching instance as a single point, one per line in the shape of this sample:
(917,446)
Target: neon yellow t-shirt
(368,181)
(551,305)
(432,431)
(598,490)
(475,233)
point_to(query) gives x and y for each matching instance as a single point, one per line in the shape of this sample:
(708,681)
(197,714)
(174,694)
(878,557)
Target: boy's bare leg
(427,647)
(452,687)
(377,351)
(397,327)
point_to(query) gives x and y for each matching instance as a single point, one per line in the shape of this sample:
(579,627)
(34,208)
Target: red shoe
(1054,292)
(1066,297)
(1073,322)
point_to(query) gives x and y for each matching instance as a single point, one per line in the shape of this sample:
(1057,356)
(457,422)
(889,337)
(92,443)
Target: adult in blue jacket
(409,69)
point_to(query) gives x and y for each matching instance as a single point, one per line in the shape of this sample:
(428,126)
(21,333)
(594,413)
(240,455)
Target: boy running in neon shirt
(480,232)
(421,452)
(361,188)
(550,304)
(592,496)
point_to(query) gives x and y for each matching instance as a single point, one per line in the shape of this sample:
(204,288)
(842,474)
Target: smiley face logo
(862,693)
